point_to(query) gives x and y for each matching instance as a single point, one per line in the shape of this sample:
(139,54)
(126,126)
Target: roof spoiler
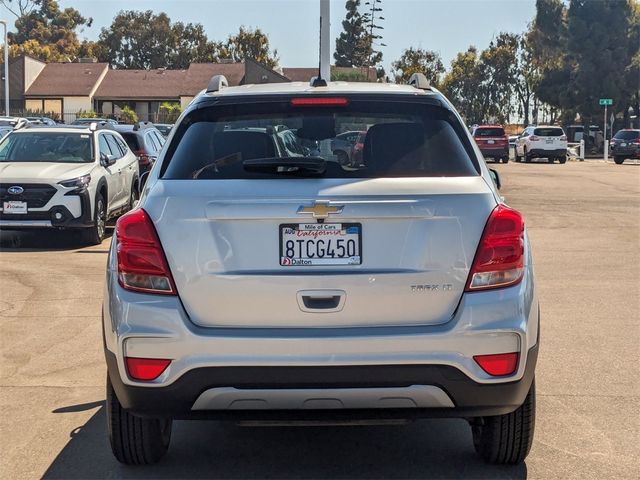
(217,83)
(418,80)
(139,125)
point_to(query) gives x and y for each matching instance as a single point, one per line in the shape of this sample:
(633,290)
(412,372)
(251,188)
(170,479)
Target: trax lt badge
(321,210)
(15,190)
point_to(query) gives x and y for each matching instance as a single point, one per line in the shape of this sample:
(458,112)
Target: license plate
(309,244)
(491,142)
(623,144)
(14,207)
(550,141)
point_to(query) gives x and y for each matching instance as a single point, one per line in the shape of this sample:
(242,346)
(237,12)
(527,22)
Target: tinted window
(46,147)
(132,141)
(122,145)
(161,140)
(627,134)
(115,149)
(151,143)
(402,140)
(489,132)
(548,132)
(104,146)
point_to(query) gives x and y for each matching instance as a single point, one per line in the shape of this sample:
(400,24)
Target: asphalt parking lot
(584,223)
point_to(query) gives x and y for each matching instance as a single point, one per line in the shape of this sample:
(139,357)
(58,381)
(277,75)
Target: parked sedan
(342,144)
(625,144)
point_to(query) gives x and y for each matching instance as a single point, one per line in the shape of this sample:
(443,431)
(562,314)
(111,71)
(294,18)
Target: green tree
(354,45)
(463,85)
(526,78)
(146,40)
(45,31)
(418,60)
(247,43)
(599,52)
(128,115)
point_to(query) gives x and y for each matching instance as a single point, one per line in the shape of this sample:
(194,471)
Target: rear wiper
(286,165)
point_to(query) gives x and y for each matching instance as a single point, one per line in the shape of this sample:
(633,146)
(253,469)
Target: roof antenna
(324,67)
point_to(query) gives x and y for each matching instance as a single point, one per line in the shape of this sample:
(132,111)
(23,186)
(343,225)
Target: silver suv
(253,286)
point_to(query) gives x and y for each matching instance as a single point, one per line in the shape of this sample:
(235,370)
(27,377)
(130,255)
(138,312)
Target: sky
(446,26)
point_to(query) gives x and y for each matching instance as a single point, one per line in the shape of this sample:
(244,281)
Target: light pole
(6,69)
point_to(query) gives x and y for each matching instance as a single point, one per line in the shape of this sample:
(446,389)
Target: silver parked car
(250,285)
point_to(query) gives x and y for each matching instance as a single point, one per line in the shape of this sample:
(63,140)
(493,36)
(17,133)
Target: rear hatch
(283,243)
(489,138)
(550,138)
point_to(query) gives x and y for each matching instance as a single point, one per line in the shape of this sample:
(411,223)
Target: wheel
(133,196)
(516,157)
(618,160)
(527,158)
(507,439)
(95,234)
(343,158)
(551,159)
(135,440)
(505,159)
(562,159)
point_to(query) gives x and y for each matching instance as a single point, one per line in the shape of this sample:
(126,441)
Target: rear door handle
(321,301)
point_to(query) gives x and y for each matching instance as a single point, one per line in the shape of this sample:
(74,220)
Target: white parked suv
(65,177)
(256,285)
(541,142)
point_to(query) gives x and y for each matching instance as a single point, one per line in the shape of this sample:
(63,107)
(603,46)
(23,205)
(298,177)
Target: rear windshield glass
(272,140)
(627,134)
(489,132)
(548,132)
(132,141)
(46,147)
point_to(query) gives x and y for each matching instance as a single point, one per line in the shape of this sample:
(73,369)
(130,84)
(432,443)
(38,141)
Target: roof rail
(318,82)
(21,123)
(418,80)
(217,83)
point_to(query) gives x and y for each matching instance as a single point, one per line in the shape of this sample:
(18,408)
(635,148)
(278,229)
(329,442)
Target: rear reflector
(499,261)
(146,368)
(319,102)
(142,266)
(498,365)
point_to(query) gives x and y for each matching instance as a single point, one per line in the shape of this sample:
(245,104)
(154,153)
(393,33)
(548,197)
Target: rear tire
(505,159)
(507,439)
(135,440)
(95,234)
(562,159)
(618,160)
(516,157)
(527,157)
(342,157)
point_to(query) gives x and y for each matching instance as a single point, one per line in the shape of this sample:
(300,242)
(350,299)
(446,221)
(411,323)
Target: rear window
(46,147)
(275,139)
(132,141)
(627,135)
(489,132)
(548,132)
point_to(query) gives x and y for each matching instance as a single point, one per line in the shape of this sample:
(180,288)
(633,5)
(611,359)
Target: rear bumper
(495,152)
(468,398)
(625,152)
(541,152)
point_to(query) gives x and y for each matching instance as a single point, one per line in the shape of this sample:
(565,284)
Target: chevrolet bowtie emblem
(320,210)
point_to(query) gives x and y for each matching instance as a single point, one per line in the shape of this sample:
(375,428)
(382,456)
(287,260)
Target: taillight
(637,140)
(533,138)
(563,138)
(142,266)
(146,368)
(358,146)
(499,364)
(499,261)
(143,158)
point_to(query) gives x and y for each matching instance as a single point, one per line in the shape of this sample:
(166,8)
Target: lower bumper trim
(25,224)
(414,396)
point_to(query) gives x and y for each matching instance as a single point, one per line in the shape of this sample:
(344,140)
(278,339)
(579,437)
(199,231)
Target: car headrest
(387,144)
